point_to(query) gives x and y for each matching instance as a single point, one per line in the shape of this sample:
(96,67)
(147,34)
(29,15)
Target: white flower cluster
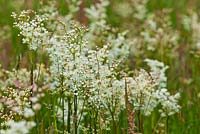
(99,29)
(88,77)
(154,27)
(148,90)
(33,31)
(84,73)
(142,92)
(158,71)
(140,9)
(21,127)
(19,99)
(159,32)
(97,14)
(49,11)
(191,23)
(21,78)
(87,74)
(168,102)
(104,85)
(119,46)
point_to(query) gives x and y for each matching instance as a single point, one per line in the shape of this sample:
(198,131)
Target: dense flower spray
(84,87)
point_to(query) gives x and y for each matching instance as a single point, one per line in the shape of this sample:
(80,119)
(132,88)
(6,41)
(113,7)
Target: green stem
(63,118)
(63,104)
(75,114)
(69,114)
(95,122)
(154,129)
(114,123)
(139,121)
(167,123)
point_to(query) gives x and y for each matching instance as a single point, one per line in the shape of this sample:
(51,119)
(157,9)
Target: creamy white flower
(158,71)
(37,106)
(28,112)
(21,127)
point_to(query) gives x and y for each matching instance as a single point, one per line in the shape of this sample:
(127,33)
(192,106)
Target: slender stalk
(69,114)
(18,62)
(129,112)
(95,122)
(142,123)
(167,123)
(63,104)
(139,120)
(54,113)
(90,120)
(75,114)
(81,114)
(114,123)
(31,80)
(113,116)
(33,64)
(154,129)
(63,117)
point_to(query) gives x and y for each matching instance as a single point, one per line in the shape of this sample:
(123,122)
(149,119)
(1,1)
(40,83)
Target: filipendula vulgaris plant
(148,91)
(169,103)
(85,80)
(19,88)
(72,66)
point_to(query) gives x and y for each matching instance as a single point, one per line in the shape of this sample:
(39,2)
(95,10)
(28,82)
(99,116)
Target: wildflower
(28,112)
(21,127)
(37,106)
(33,31)
(158,70)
